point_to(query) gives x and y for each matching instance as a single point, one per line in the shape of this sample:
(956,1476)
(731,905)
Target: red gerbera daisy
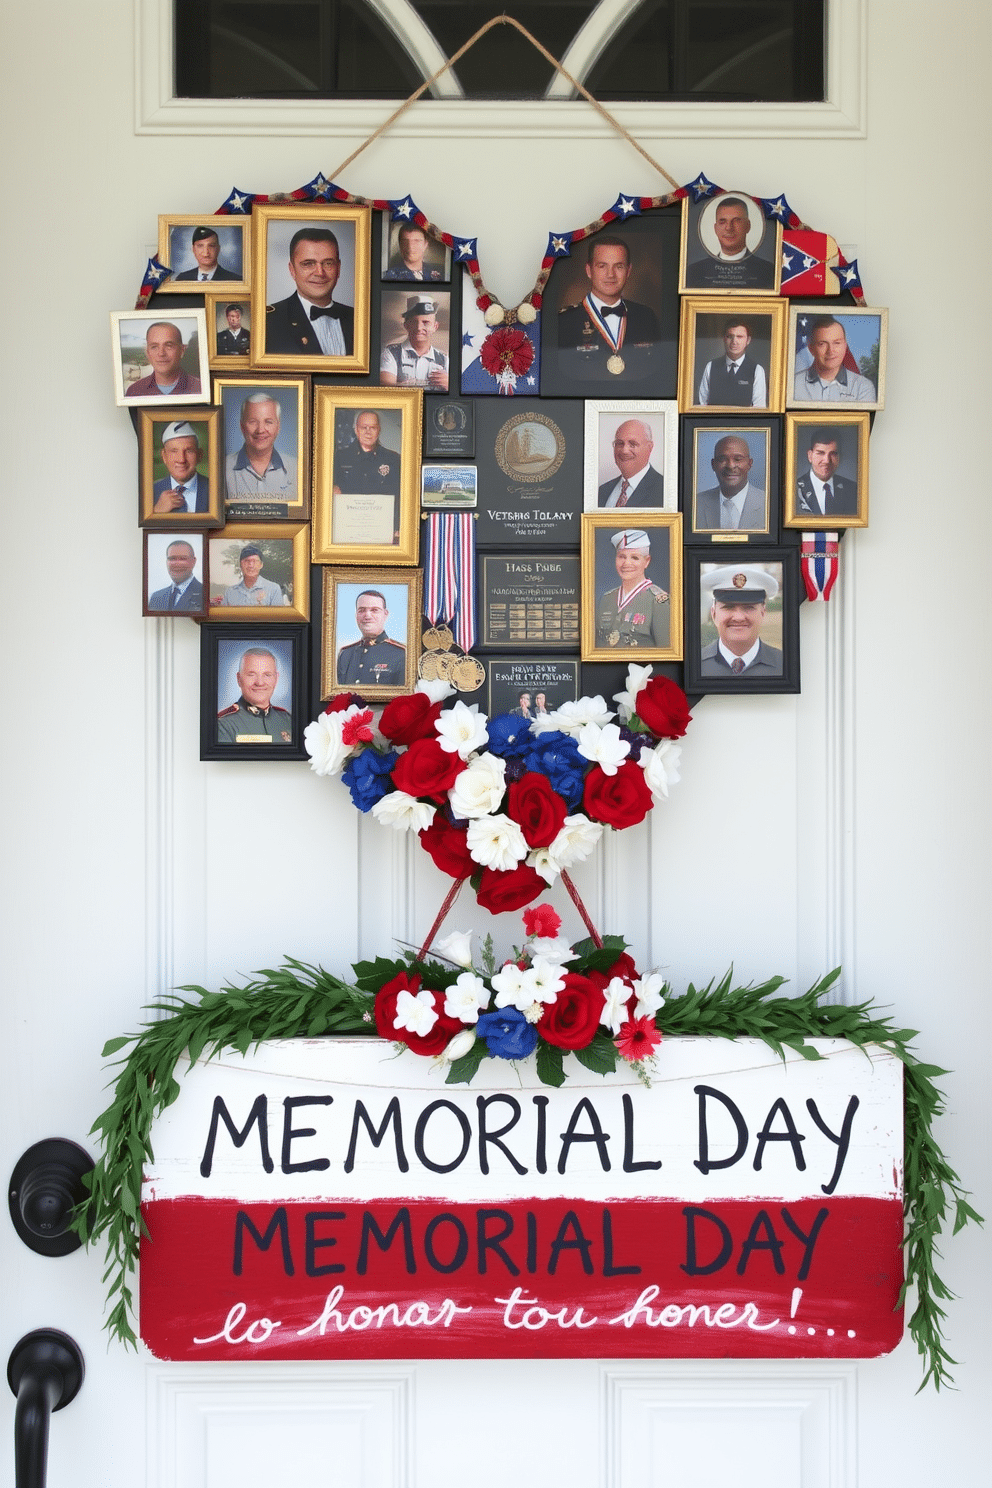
(638,1038)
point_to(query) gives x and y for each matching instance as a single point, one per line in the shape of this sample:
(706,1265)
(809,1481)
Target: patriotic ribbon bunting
(449,573)
(821,563)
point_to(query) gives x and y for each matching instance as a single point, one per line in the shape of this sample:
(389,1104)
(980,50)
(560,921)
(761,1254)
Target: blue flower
(557,756)
(367,777)
(507,1033)
(509,735)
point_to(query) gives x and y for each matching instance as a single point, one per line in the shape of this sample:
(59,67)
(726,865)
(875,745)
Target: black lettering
(608,1267)
(531,1241)
(703,1162)
(771,1243)
(371,1231)
(318,1164)
(486,1241)
(807,1241)
(278,1223)
(580,1243)
(843,1141)
(541,1159)
(377,1133)
(315,1217)
(789,1135)
(461,1245)
(629,1165)
(692,1265)
(418,1136)
(483,1102)
(258,1113)
(597,1135)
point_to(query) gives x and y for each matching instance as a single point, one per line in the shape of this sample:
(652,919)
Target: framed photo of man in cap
(632,586)
(742,621)
(179,484)
(260,571)
(415,328)
(204,253)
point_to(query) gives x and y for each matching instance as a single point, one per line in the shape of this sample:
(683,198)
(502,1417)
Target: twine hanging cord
(505,20)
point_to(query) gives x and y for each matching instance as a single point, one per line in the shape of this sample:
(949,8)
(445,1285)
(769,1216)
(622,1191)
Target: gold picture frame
(175,250)
(283,337)
(377,521)
(155,478)
(808,440)
(284,566)
(710,336)
(354,653)
(613,632)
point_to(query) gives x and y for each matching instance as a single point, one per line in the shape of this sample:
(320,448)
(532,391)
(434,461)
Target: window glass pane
(504,64)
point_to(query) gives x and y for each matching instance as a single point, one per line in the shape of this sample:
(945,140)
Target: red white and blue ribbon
(821,563)
(449,573)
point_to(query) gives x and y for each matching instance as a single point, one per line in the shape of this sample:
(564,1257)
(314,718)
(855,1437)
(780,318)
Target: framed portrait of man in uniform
(260,571)
(742,620)
(370,632)
(253,691)
(631,586)
(366,496)
(204,253)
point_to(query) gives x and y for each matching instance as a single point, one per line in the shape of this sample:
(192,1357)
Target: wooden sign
(327,1199)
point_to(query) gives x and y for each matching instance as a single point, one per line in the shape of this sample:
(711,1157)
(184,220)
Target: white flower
(403,811)
(466,999)
(416,1014)
(437,690)
(495,842)
(457,947)
(661,768)
(556,950)
(459,1045)
(637,677)
(515,986)
(548,980)
(603,746)
(615,1008)
(479,789)
(649,998)
(324,744)
(462,729)
(571,717)
(541,862)
(575,841)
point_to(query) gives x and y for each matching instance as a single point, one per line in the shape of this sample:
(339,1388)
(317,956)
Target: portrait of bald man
(637,482)
(736,503)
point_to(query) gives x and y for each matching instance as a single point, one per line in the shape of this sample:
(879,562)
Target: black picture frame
(574,354)
(556,677)
(222,648)
(529,601)
(701,675)
(529,455)
(699,437)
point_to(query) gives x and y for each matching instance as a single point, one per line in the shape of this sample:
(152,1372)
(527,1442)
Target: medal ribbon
(449,573)
(820,562)
(599,322)
(622,604)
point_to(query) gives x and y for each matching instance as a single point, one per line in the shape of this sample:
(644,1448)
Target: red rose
(499,892)
(385,1012)
(620,800)
(342,701)
(570,1022)
(448,846)
(543,922)
(664,708)
(428,770)
(537,809)
(407,718)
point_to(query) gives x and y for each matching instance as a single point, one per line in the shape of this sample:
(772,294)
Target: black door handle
(45,1371)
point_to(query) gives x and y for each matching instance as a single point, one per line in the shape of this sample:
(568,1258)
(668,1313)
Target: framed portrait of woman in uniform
(631,586)
(366,494)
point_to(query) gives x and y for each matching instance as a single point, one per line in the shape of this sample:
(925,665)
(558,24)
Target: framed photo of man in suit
(826,470)
(729,246)
(731,355)
(310,288)
(204,253)
(179,480)
(730,479)
(742,620)
(631,454)
(175,581)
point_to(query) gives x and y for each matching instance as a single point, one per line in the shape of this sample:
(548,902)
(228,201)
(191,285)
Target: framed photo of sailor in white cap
(742,621)
(415,326)
(631,586)
(179,483)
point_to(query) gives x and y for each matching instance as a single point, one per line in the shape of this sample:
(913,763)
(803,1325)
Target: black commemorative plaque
(529,601)
(529,455)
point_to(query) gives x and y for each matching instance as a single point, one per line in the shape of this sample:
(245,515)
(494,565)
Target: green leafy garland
(301,1001)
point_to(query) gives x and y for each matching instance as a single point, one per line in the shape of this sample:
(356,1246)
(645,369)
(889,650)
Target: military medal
(615,363)
(613,639)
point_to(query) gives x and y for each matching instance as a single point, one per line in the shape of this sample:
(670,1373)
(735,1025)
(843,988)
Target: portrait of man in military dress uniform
(738,598)
(311,321)
(254,717)
(604,335)
(637,613)
(375,659)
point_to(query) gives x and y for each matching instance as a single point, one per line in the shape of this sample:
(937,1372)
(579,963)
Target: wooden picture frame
(357,648)
(164,464)
(168,570)
(224,332)
(334,277)
(229,259)
(276,583)
(648,627)
(377,520)
(831,447)
(748,334)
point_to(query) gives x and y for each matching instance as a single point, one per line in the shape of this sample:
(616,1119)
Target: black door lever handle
(45,1371)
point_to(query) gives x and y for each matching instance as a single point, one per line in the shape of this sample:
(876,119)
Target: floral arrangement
(507,354)
(549,998)
(507,802)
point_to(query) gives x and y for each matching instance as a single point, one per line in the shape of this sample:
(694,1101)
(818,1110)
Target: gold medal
(428,666)
(613,639)
(468,674)
(615,364)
